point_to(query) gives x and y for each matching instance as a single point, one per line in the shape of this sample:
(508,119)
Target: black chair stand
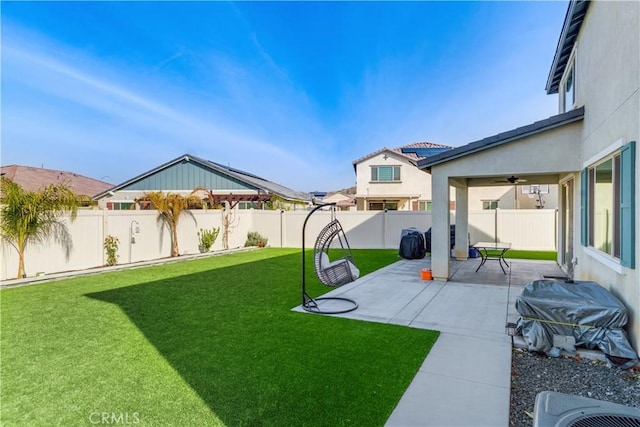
(334,274)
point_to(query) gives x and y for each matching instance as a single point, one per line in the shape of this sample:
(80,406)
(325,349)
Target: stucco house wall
(603,124)
(415,186)
(343,202)
(608,84)
(559,146)
(512,197)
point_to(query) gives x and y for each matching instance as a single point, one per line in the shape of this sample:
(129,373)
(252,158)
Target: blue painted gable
(185,176)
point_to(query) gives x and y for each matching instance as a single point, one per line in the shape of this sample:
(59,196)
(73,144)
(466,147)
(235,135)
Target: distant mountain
(345,191)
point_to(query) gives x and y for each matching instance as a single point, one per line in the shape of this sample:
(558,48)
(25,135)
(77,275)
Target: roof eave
(383,150)
(248,179)
(508,136)
(572,23)
(118,187)
(369,156)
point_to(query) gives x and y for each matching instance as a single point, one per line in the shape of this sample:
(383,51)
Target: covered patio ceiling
(513,178)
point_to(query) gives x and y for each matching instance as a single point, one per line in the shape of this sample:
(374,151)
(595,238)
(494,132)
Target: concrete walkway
(465,379)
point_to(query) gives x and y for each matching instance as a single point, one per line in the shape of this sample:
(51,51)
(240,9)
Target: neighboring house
(185,173)
(344,202)
(35,179)
(513,196)
(318,195)
(589,150)
(391,179)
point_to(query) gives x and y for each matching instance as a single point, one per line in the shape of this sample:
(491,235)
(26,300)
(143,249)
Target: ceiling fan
(512,180)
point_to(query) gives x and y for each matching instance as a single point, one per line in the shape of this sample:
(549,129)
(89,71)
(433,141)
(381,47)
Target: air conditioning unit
(565,410)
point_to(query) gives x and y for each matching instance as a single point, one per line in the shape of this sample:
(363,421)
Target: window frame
(491,202)
(592,180)
(623,192)
(116,205)
(427,204)
(569,71)
(383,205)
(377,179)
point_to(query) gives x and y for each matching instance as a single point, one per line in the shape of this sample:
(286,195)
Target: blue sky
(293,92)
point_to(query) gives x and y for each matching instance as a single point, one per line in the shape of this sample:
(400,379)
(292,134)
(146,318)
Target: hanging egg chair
(333,273)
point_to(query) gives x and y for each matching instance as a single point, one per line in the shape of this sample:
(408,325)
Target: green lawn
(538,255)
(204,342)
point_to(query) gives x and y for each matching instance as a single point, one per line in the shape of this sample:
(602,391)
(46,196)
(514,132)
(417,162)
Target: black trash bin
(412,246)
(452,238)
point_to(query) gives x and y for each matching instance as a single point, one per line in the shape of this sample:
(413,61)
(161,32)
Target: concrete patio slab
(470,311)
(468,308)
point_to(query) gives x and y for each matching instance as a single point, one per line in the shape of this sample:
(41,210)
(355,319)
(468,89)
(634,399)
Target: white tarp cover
(581,309)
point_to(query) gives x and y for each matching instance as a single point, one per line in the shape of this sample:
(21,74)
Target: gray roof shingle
(412,157)
(35,179)
(251,179)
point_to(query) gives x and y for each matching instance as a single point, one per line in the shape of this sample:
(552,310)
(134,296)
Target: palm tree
(35,216)
(170,206)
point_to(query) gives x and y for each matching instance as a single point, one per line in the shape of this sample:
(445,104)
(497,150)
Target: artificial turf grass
(204,342)
(520,254)
(535,255)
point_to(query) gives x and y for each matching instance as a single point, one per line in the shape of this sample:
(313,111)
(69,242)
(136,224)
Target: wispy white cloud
(66,81)
(178,54)
(154,125)
(111,115)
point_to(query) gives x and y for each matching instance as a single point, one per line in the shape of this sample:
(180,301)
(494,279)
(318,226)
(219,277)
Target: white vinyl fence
(142,237)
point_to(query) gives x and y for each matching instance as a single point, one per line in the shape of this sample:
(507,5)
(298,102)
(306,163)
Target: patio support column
(440,226)
(462,222)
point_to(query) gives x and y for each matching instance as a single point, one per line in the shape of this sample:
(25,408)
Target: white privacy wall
(527,228)
(524,229)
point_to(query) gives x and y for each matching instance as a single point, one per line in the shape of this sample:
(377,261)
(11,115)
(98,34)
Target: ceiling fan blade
(515,180)
(511,180)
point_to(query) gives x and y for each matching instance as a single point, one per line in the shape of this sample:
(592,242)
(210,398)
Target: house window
(489,204)
(380,206)
(385,173)
(604,182)
(246,205)
(568,99)
(424,205)
(608,205)
(120,206)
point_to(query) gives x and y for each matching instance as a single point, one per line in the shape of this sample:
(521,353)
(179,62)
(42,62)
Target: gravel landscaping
(532,373)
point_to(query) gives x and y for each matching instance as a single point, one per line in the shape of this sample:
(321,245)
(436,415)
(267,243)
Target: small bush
(207,238)
(255,239)
(111,244)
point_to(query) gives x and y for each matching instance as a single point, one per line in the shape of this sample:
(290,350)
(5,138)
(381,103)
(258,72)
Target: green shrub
(207,238)
(111,244)
(255,239)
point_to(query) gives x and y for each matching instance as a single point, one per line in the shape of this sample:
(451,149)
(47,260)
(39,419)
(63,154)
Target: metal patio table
(485,247)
